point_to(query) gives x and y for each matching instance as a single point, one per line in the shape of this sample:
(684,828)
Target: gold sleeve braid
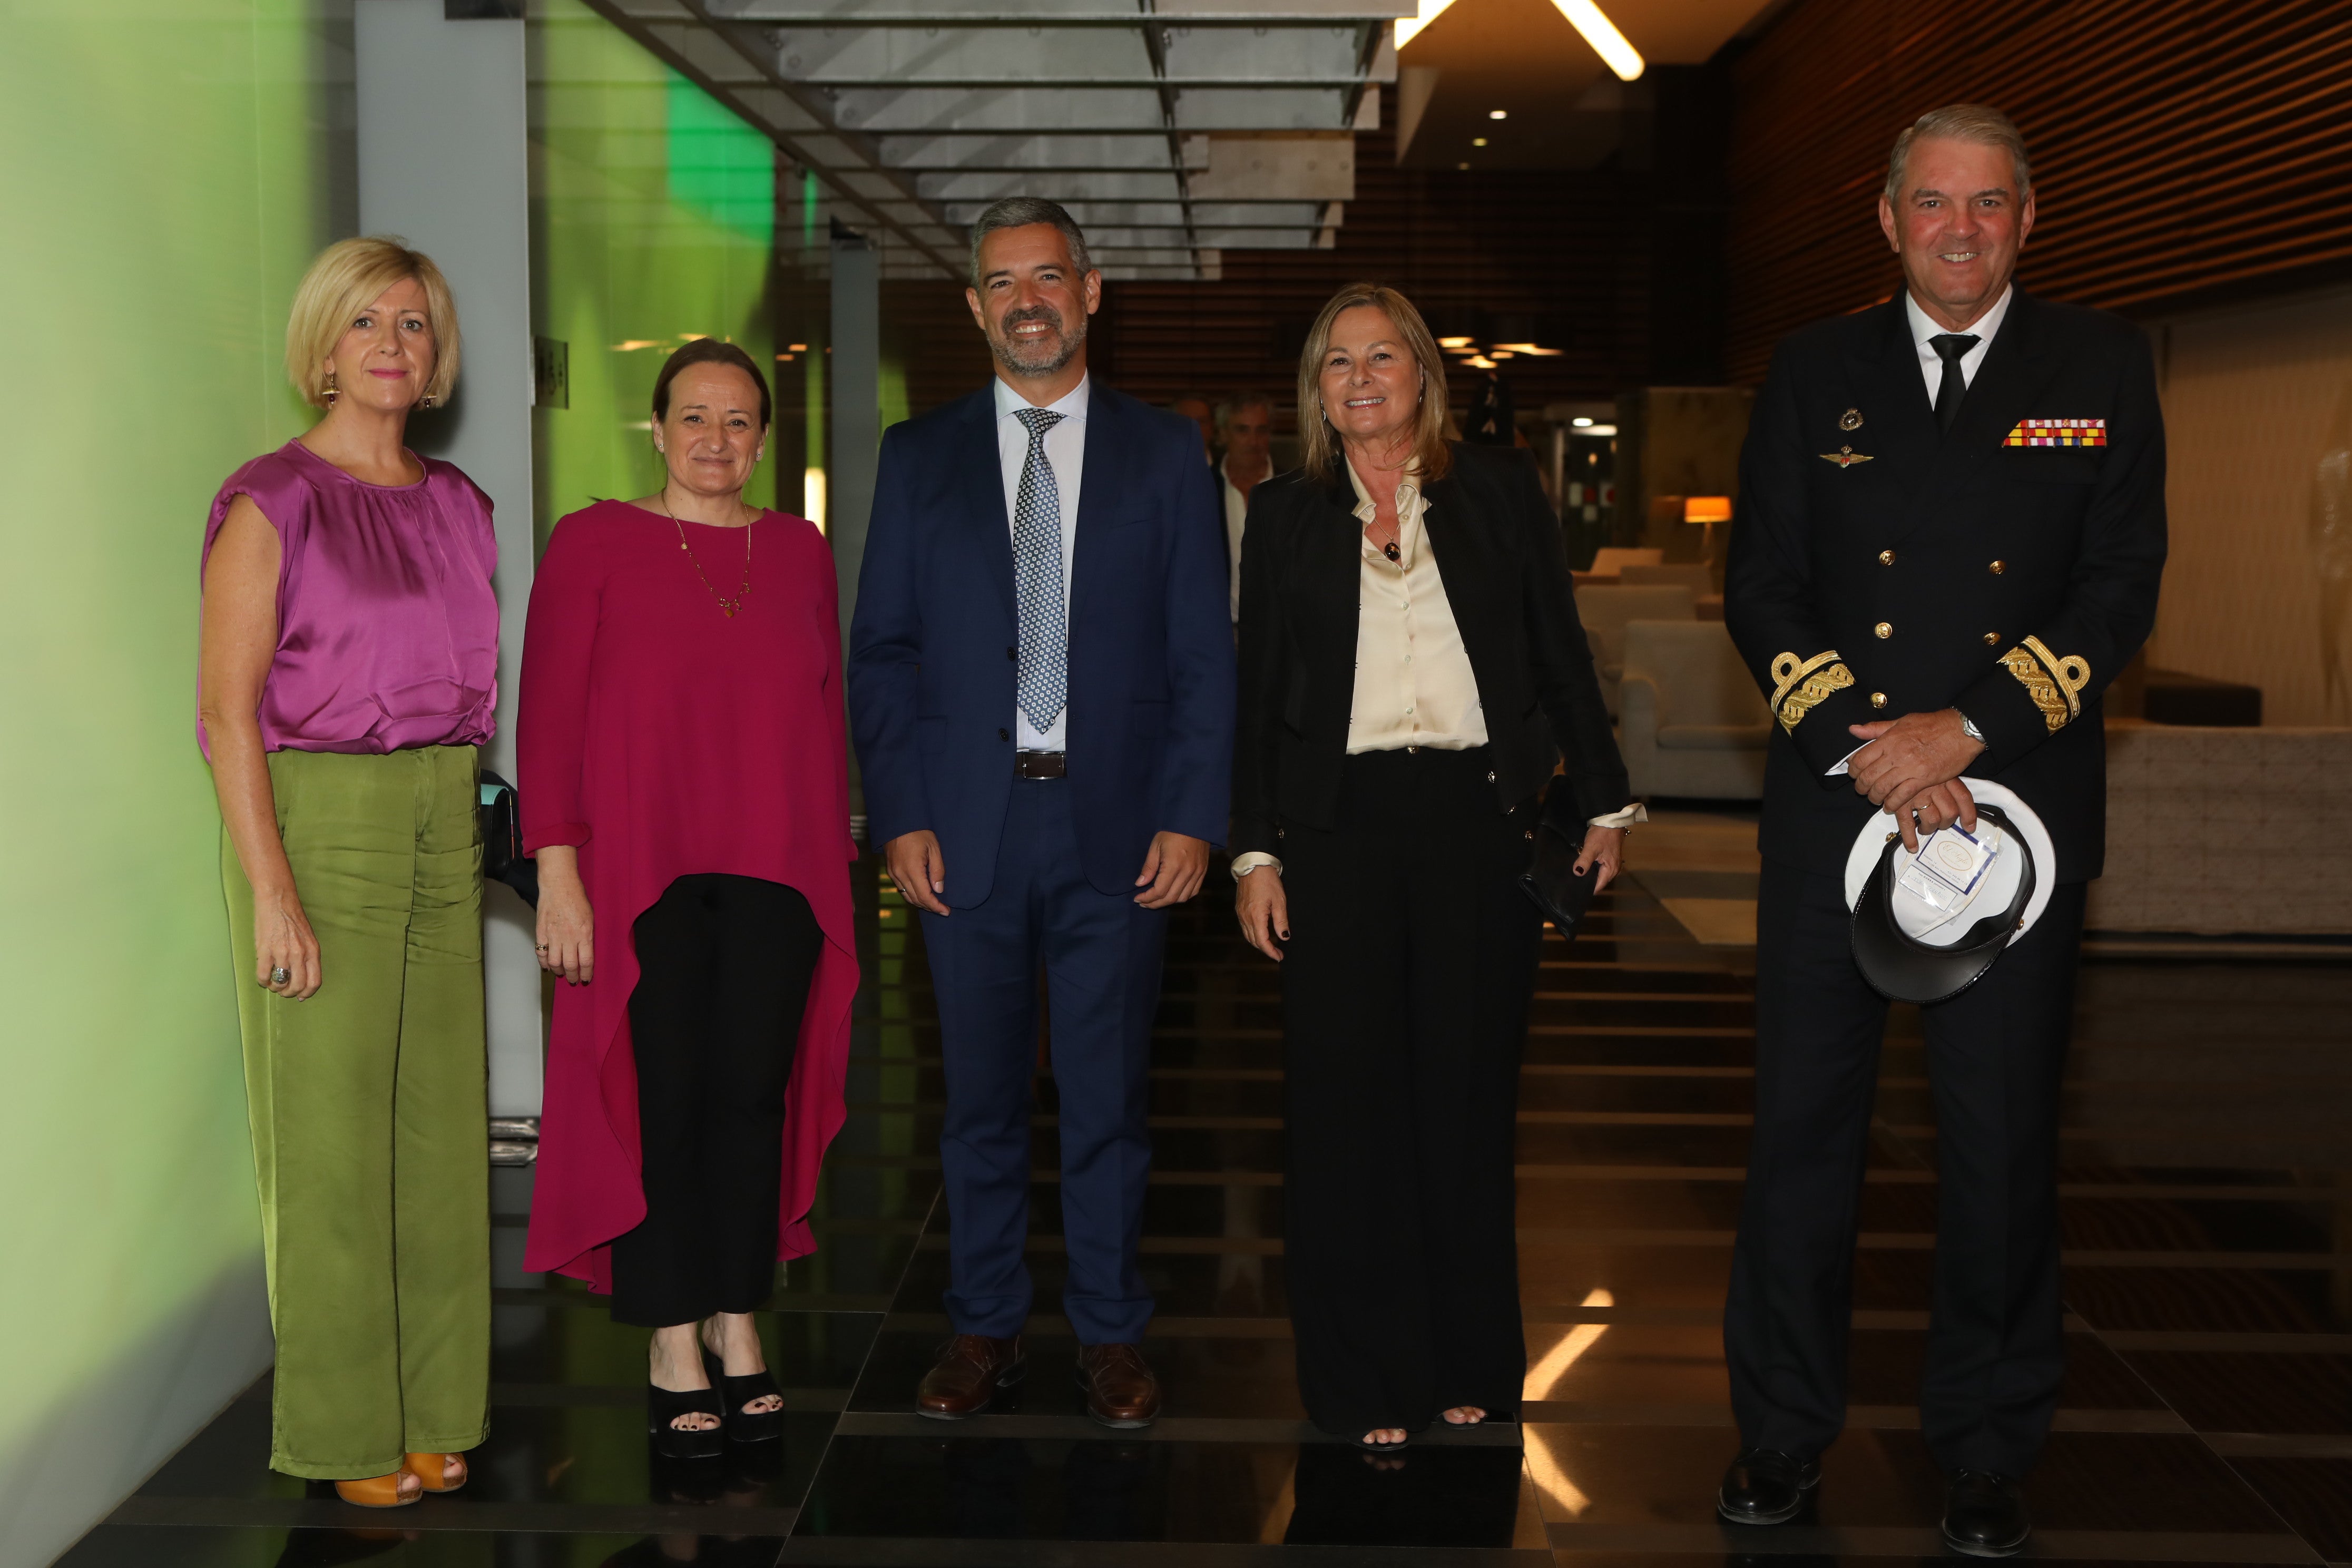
(2054,682)
(1800,685)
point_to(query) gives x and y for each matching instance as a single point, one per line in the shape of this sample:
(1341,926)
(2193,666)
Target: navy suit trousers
(1100,953)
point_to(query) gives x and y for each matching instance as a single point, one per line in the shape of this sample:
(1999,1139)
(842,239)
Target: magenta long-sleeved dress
(663,737)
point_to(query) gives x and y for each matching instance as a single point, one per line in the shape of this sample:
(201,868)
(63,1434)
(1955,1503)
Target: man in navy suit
(1041,683)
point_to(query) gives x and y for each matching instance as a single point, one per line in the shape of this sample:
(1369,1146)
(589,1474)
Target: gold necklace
(726,606)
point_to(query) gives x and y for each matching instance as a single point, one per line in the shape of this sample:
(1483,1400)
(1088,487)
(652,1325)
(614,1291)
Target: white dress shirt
(1931,363)
(1236,514)
(1066,449)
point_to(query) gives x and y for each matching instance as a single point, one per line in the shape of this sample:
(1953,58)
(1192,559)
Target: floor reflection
(2207,1414)
(1427,1496)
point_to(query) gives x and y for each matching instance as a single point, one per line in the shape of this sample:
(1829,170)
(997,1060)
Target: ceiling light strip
(1407,26)
(1601,32)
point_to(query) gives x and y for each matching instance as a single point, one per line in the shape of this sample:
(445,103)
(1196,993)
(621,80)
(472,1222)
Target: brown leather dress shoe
(967,1376)
(1120,1390)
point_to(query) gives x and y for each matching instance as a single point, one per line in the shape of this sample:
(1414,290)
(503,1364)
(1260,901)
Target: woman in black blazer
(1412,669)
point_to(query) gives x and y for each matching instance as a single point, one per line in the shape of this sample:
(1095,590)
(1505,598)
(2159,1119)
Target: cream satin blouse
(1414,685)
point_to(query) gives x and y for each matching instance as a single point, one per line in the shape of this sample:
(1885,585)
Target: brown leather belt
(1039,764)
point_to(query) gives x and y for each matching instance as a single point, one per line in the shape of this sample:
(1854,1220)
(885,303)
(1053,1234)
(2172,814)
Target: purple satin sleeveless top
(387,625)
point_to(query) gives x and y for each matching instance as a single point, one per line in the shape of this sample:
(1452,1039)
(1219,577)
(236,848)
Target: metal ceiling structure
(1173,129)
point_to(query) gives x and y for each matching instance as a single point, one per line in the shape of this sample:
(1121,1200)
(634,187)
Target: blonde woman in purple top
(347,677)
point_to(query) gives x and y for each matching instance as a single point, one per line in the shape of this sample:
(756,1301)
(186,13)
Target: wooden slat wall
(1570,248)
(1540,245)
(927,328)
(2185,152)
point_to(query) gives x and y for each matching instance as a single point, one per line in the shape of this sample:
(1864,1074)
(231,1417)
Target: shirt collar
(1072,405)
(1924,327)
(1408,487)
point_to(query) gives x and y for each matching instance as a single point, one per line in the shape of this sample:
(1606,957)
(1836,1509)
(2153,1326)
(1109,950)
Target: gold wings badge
(1845,457)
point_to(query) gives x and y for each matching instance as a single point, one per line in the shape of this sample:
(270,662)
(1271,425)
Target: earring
(428,401)
(331,392)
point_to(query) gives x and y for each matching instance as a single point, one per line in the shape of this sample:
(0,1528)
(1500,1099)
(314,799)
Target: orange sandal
(377,1491)
(432,1470)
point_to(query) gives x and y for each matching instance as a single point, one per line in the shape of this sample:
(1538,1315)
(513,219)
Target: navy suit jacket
(933,639)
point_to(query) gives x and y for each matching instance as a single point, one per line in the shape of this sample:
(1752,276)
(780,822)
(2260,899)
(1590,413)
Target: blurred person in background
(347,677)
(1202,413)
(1246,426)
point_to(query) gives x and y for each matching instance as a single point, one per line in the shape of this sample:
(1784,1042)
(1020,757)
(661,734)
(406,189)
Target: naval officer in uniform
(1952,532)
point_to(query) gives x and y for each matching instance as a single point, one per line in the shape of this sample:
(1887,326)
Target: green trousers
(369,1112)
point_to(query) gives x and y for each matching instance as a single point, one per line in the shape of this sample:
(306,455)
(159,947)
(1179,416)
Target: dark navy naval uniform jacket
(2008,568)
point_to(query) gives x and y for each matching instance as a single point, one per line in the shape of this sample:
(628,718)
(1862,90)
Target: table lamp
(1709,510)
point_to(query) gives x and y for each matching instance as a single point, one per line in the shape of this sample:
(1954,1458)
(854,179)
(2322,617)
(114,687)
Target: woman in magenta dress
(685,792)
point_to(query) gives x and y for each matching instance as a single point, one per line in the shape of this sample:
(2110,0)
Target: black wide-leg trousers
(724,964)
(1405,987)
(1995,1350)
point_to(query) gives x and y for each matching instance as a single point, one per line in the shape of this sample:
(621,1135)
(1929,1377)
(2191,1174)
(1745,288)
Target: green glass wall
(165,179)
(653,220)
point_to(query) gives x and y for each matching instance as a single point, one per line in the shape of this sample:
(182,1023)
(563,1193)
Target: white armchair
(1694,724)
(1605,609)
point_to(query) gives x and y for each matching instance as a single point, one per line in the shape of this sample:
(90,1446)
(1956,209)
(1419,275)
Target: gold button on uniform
(1887,558)
(1992,639)
(1878,699)
(1884,630)
(1998,567)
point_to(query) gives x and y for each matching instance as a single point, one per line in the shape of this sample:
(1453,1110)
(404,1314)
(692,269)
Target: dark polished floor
(2208,1415)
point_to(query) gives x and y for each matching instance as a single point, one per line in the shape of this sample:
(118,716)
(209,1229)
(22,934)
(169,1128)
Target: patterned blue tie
(1041,687)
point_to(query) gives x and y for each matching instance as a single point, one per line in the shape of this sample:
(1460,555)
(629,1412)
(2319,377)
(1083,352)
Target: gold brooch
(1845,457)
(1850,420)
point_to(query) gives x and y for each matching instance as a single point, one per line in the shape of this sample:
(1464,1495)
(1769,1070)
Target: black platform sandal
(743,1426)
(664,1405)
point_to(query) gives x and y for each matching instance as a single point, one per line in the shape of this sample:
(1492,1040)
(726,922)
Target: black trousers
(1995,1053)
(725,965)
(1405,988)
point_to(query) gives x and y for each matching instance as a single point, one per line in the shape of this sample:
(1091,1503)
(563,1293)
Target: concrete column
(856,424)
(443,165)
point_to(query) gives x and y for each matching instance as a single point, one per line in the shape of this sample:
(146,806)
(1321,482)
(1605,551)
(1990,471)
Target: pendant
(727,609)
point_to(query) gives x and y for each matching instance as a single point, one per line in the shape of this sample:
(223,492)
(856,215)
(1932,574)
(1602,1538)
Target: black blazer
(1881,567)
(1497,545)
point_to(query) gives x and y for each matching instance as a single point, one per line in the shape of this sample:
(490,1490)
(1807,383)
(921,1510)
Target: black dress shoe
(1984,1515)
(1765,1486)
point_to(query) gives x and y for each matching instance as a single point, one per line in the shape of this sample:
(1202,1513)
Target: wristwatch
(1969,728)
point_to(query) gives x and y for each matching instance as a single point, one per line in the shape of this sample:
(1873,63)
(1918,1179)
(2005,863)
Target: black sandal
(1369,1447)
(742,1426)
(664,1405)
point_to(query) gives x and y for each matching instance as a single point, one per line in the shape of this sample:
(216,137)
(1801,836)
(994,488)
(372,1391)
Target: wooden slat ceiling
(2184,151)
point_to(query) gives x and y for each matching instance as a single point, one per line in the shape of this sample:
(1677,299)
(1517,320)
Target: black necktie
(1950,347)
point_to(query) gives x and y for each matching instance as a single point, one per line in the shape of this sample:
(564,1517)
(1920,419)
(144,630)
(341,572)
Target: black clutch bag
(502,856)
(1550,879)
